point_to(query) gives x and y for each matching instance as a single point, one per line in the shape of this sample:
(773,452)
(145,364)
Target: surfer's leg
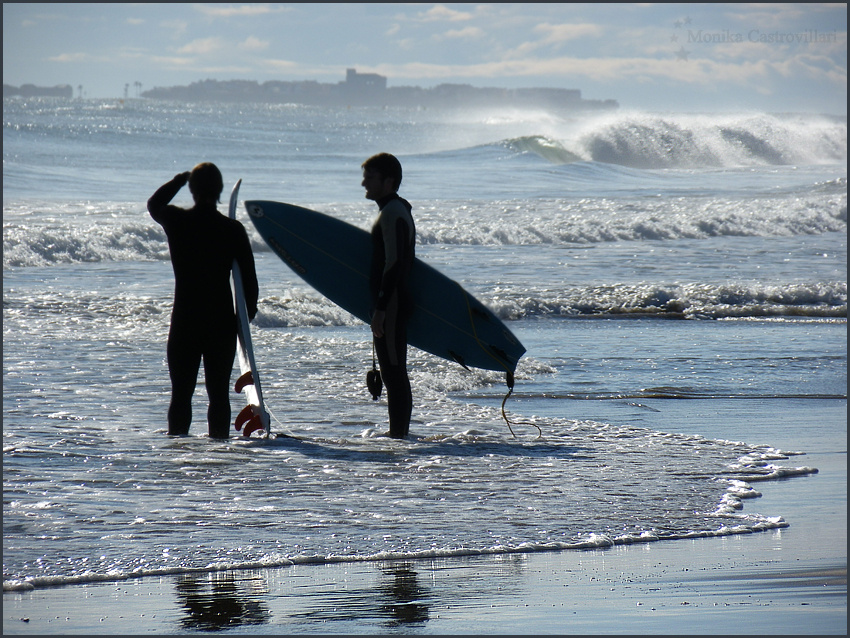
(184,361)
(399,399)
(392,357)
(218,365)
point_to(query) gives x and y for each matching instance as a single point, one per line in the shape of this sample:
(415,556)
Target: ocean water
(644,260)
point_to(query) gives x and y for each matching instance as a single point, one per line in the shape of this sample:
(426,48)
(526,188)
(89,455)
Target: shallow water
(649,299)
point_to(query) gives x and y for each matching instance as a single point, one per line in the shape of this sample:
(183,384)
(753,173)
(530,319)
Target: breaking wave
(648,141)
(699,141)
(107,236)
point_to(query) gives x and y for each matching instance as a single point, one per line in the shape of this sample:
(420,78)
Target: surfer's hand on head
(378,323)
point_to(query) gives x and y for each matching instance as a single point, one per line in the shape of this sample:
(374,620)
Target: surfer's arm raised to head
(158,202)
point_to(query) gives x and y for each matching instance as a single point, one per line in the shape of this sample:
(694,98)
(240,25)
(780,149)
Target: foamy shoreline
(783,581)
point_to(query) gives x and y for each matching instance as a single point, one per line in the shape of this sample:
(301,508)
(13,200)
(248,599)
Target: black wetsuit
(393,252)
(203,244)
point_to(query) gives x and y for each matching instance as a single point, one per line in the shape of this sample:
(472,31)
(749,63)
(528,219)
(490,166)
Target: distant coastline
(370,89)
(31,90)
(358,89)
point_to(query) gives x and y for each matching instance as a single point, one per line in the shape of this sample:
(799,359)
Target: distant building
(361,89)
(370,89)
(355,81)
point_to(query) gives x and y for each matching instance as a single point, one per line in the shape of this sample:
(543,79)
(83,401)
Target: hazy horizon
(658,57)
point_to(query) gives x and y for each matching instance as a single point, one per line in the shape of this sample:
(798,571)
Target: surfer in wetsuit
(203,244)
(393,252)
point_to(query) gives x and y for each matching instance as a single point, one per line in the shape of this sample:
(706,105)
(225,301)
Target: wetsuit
(203,244)
(393,252)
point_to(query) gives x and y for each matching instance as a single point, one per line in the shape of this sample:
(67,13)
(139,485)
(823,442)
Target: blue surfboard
(334,257)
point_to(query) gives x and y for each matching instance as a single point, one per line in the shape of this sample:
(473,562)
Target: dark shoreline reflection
(218,600)
(397,599)
(405,595)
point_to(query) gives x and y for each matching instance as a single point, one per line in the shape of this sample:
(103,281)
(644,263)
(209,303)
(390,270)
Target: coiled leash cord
(509,379)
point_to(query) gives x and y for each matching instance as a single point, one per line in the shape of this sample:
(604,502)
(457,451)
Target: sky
(685,57)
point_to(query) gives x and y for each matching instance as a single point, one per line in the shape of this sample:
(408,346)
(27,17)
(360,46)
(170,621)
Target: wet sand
(788,581)
(730,585)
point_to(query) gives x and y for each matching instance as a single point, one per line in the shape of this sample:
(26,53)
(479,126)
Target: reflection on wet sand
(394,594)
(398,599)
(216,601)
(404,595)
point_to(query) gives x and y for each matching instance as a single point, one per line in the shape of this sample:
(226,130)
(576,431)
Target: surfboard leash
(509,379)
(373,378)
(509,376)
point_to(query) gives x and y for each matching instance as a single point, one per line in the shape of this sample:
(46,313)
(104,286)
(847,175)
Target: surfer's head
(381,175)
(206,183)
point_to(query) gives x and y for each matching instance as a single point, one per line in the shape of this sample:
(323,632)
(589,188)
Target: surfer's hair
(385,164)
(205,182)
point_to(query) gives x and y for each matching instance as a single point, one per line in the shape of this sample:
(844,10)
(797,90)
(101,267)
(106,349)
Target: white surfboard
(253,416)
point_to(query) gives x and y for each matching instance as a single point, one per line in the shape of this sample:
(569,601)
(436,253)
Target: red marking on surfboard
(245,379)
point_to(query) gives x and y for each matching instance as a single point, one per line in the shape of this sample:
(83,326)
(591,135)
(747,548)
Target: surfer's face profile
(376,185)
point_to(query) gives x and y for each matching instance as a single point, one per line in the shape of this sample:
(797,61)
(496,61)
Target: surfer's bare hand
(378,323)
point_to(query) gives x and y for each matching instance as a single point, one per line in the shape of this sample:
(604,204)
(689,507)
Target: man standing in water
(393,252)
(203,244)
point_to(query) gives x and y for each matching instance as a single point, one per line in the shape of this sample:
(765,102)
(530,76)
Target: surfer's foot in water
(219,433)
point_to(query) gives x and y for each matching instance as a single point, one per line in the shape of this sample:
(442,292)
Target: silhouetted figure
(393,253)
(203,244)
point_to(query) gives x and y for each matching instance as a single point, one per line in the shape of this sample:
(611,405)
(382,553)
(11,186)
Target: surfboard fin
(250,419)
(253,425)
(245,379)
(244,416)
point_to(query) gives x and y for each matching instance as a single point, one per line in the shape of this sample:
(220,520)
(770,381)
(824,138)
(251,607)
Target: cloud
(204,46)
(469,33)
(284,66)
(252,43)
(558,33)
(71,58)
(554,35)
(178,27)
(769,16)
(221,11)
(171,62)
(764,76)
(441,13)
